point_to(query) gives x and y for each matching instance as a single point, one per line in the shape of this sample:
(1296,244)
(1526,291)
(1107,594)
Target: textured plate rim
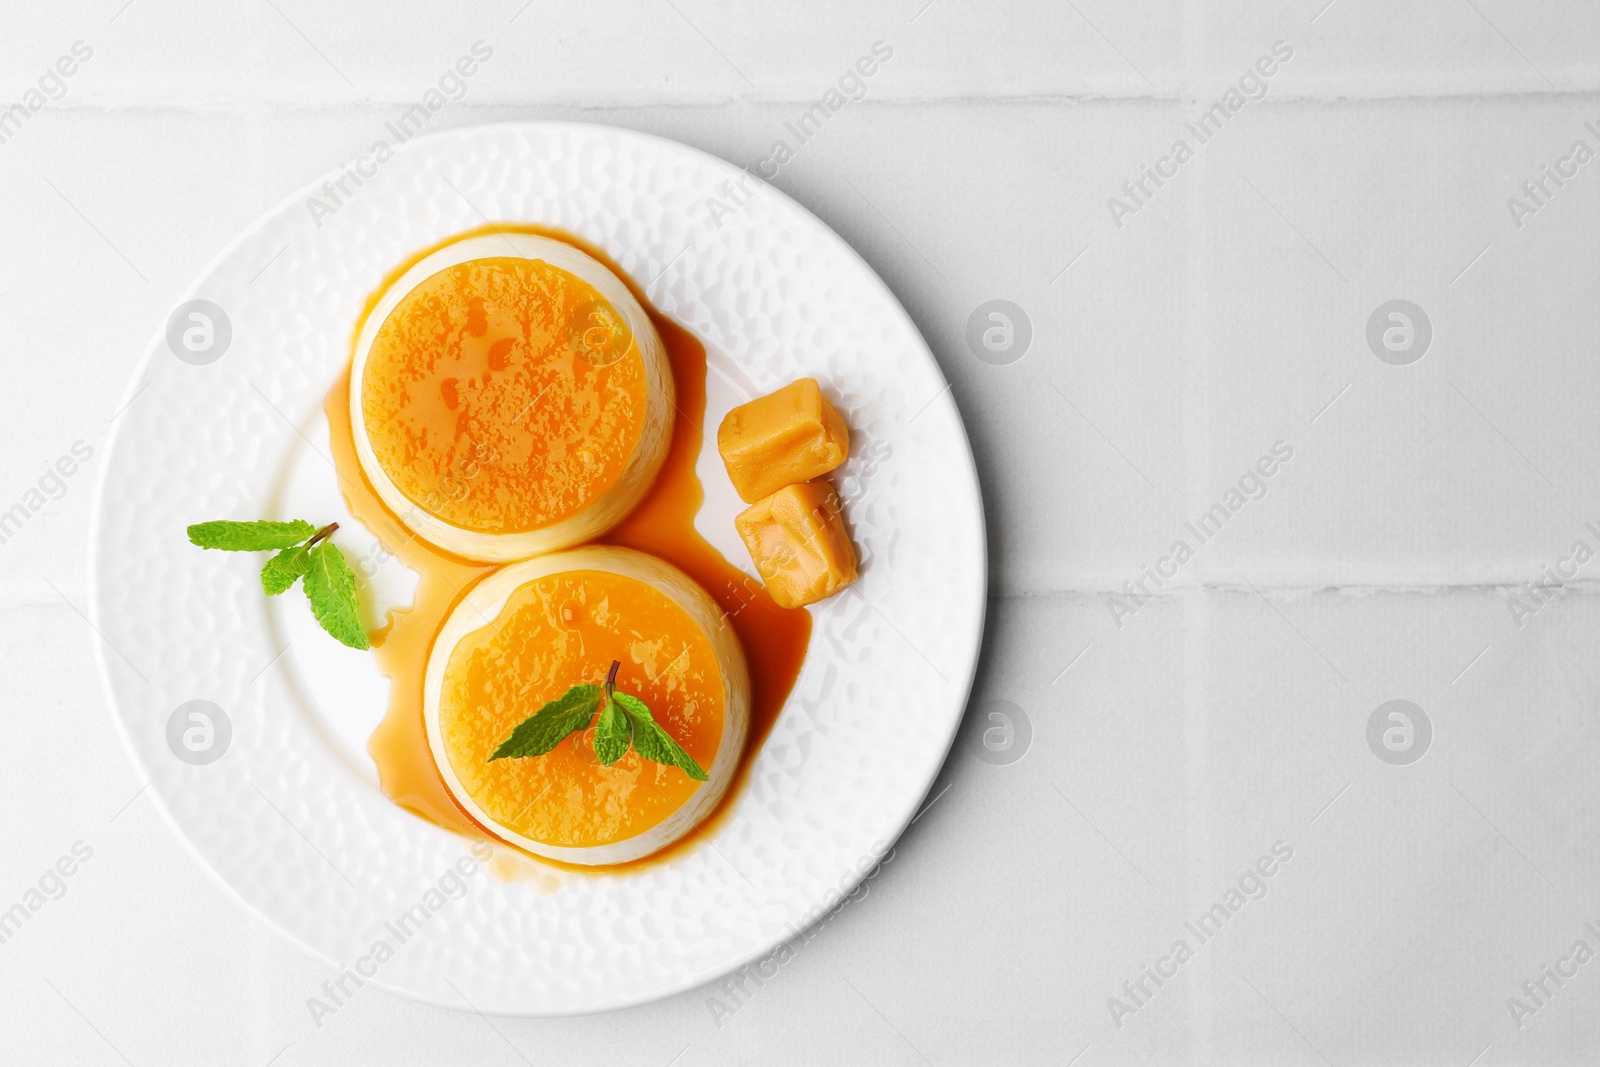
(961,687)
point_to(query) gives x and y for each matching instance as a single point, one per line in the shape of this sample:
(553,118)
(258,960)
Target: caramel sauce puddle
(774,639)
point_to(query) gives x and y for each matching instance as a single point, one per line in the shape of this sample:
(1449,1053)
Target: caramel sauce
(774,639)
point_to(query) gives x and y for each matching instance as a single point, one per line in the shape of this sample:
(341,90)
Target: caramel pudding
(509,396)
(532,630)
(774,639)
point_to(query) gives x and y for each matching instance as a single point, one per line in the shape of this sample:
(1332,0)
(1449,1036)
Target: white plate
(290,817)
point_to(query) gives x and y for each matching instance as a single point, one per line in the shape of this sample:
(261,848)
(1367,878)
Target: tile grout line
(1341,89)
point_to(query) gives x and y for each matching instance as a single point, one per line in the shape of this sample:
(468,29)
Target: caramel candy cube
(792,435)
(798,541)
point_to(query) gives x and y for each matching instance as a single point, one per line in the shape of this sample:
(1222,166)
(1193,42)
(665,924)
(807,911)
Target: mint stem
(611,677)
(325,532)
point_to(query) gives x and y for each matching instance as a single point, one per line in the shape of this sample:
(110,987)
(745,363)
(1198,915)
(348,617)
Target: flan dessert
(509,396)
(529,633)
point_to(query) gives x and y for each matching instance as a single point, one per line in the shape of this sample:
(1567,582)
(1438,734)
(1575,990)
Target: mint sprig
(624,719)
(303,552)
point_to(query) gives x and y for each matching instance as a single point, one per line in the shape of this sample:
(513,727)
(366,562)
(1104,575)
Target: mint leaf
(623,716)
(331,587)
(544,729)
(250,536)
(281,571)
(611,734)
(654,743)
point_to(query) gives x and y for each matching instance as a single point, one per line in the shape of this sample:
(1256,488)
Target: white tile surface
(1171,746)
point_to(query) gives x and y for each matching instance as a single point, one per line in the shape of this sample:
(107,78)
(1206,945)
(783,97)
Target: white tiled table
(1171,746)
